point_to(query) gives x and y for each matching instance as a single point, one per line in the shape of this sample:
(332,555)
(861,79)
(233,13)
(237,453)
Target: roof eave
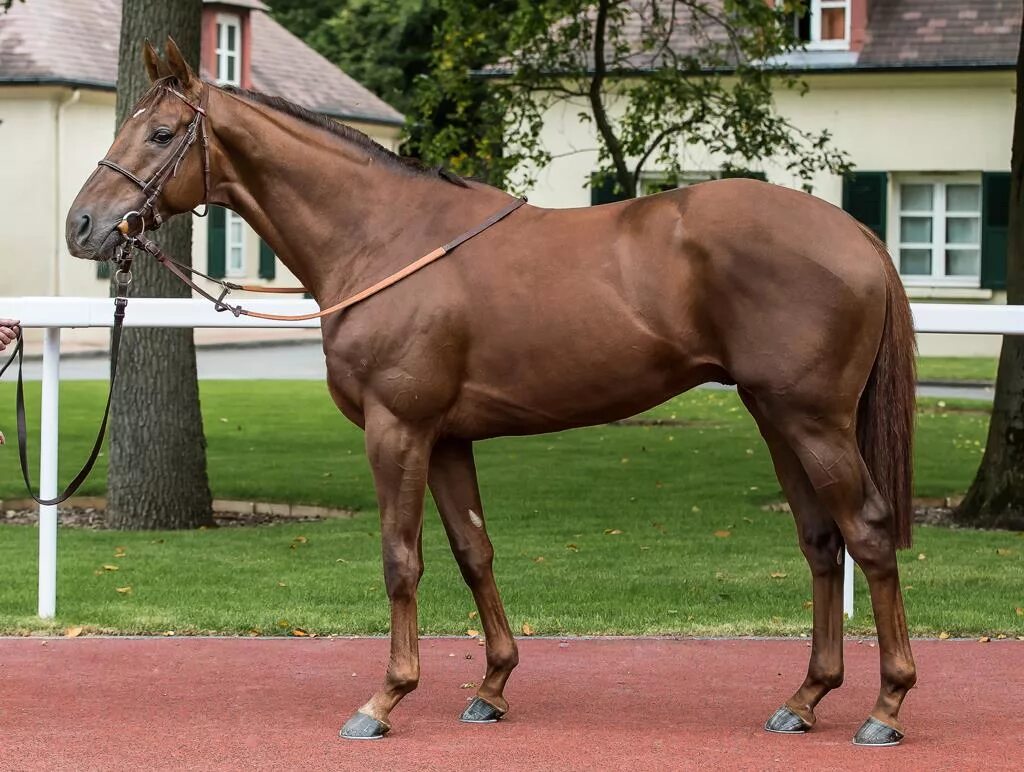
(869,68)
(51,80)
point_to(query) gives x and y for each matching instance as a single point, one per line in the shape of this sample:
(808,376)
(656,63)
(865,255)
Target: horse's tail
(885,418)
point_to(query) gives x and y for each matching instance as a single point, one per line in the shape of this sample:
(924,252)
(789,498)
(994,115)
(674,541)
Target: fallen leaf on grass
(922,556)
(943,635)
(110,567)
(808,604)
(1019,611)
(125,590)
(1004,552)
(73,632)
(472,615)
(298,632)
(1001,636)
(539,559)
(281,584)
(984,639)
(572,548)
(778,575)
(659,528)
(612,531)
(283,623)
(527,629)
(472,633)
(119,552)
(723,534)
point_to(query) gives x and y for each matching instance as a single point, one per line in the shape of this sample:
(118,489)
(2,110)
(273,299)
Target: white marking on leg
(475,519)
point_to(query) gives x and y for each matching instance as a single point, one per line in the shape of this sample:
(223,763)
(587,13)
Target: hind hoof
(785,721)
(874,733)
(364,727)
(480,712)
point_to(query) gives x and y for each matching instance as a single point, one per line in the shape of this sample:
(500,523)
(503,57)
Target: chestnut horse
(554,319)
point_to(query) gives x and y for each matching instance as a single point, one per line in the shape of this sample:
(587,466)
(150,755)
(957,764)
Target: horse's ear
(178,66)
(155,66)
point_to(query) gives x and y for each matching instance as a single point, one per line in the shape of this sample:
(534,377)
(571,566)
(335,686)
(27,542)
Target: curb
(223,506)
(959,384)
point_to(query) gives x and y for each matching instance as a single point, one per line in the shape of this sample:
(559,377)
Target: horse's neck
(337,217)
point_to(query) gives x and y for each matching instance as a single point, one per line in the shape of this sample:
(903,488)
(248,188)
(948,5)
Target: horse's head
(157,167)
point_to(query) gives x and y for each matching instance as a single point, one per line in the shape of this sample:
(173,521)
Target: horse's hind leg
(453,483)
(822,545)
(828,451)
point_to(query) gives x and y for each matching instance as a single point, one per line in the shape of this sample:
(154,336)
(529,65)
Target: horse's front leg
(454,485)
(399,455)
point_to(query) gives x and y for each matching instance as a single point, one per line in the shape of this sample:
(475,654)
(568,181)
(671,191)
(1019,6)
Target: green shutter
(216,243)
(995,228)
(746,174)
(603,190)
(268,261)
(103,270)
(865,196)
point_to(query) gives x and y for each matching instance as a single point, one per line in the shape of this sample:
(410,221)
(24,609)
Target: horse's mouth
(100,253)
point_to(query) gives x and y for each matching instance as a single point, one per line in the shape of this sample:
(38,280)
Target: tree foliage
(657,79)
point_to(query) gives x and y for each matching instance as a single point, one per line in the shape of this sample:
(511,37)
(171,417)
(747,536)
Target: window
(235,247)
(824,24)
(939,233)
(657,184)
(229,49)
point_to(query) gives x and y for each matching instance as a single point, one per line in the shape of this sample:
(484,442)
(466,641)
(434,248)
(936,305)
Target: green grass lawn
(553,504)
(957,368)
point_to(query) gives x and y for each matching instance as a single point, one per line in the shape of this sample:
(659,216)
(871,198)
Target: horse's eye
(162,136)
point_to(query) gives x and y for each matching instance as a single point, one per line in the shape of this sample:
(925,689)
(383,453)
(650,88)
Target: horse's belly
(550,393)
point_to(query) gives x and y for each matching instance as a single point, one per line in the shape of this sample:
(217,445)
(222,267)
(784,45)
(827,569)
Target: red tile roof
(76,41)
(941,33)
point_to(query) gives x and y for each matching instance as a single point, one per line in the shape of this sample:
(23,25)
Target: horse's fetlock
(403,678)
(503,659)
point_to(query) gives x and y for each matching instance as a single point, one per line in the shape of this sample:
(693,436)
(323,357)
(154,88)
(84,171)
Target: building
(920,94)
(58,71)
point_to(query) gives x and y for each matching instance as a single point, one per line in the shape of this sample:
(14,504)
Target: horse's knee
(403,568)
(475,562)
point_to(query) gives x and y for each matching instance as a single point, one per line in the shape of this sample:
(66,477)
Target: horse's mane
(327,123)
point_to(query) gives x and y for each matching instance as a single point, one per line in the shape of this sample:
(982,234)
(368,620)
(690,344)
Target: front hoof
(785,721)
(480,712)
(874,733)
(364,727)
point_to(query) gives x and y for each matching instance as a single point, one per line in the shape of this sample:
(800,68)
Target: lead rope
(124,279)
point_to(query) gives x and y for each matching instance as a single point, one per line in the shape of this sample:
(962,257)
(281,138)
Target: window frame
(232,269)
(939,215)
(653,182)
(814,13)
(222,53)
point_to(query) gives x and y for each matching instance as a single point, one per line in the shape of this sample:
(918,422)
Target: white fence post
(847,584)
(49,423)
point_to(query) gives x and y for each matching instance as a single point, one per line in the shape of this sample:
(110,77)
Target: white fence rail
(53,314)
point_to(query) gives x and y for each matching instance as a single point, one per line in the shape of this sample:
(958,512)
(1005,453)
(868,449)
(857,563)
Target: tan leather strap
(180,271)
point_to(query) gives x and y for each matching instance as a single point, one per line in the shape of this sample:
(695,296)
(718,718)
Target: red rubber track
(207,703)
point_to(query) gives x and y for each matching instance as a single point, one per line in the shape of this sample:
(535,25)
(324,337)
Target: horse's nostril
(84,226)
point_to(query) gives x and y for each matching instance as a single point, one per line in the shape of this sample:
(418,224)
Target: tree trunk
(157,473)
(996,499)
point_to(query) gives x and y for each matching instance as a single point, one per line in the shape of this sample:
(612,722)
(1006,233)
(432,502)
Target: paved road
(271,704)
(305,361)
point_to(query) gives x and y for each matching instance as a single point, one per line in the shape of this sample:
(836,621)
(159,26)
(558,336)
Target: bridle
(154,186)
